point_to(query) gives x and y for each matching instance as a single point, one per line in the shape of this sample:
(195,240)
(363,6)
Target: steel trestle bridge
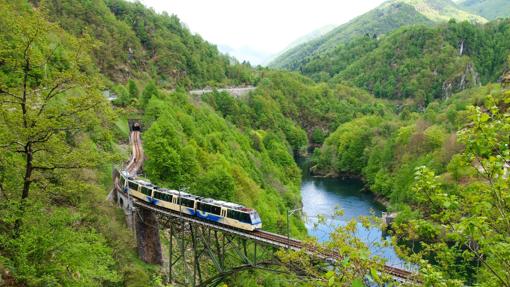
(197,247)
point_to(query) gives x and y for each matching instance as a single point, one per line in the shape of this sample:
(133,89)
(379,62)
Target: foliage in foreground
(464,226)
(55,228)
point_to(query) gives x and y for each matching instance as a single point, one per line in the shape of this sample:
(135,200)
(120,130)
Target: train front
(256,222)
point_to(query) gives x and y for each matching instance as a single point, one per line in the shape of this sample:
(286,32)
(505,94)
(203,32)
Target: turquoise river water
(323,196)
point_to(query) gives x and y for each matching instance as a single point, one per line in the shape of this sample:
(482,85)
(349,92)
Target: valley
(406,103)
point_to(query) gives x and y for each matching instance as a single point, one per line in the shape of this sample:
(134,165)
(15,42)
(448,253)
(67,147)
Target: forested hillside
(389,16)
(133,41)
(421,63)
(379,21)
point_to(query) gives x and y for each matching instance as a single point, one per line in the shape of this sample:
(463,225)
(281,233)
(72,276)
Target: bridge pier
(147,236)
(203,256)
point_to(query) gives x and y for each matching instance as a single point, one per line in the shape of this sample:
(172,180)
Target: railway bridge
(198,248)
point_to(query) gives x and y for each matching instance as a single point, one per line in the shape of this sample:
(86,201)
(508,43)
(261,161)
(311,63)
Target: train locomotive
(227,213)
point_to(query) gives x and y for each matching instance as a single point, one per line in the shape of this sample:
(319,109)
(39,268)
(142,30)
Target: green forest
(417,108)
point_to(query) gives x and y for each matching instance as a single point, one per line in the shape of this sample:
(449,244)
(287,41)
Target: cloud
(258,29)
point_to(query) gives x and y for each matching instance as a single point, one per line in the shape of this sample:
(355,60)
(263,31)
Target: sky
(255,30)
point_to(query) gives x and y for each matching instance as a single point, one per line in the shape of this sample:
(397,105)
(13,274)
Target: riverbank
(305,164)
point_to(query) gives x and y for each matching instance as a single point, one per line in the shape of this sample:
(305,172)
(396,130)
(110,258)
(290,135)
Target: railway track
(136,162)
(278,238)
(137,156)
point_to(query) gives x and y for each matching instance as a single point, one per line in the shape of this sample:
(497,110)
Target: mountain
(418,62)
(442,10)
(490,9)
(381,20)
(133,41)
(315,34)
(246,54)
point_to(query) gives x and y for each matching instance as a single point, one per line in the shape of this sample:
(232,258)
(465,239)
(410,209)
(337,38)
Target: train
(217,211)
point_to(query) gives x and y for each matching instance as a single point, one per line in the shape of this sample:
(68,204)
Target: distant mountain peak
(440,10)
(387,17)
(490,9)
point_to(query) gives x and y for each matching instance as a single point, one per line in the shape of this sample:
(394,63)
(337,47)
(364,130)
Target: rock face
(233,91)
(505,80)
(147,237)
(469,78)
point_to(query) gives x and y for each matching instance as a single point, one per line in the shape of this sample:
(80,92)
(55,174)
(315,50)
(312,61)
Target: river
(323,196)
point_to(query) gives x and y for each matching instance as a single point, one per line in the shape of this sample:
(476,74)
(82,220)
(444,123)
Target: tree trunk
(28,148)
(28,171)
(26,187)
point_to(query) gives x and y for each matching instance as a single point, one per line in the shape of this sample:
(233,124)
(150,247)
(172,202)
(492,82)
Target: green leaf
(345,262)
(331,281)
(375,276)
(484,117)
(357,283)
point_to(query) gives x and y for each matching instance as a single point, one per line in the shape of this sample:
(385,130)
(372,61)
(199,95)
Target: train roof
(227,204)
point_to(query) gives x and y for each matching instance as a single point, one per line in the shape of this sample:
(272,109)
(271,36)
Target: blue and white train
(223,212)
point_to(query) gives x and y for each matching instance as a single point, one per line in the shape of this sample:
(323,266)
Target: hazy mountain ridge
(381,20)
(490,9)
(315,34)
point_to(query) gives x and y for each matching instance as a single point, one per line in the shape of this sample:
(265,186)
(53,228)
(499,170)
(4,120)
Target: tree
(354,265)
(50,129)
(149,91)
(318,136)
(133,90)
(48,95)
(217,183)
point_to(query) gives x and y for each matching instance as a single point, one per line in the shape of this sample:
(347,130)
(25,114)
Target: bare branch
(53,93)
(10,102)
(61,115)
(12,143)
(35,167)
(4,92)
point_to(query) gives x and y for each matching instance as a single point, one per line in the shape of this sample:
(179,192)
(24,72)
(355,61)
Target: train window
(231,213)
(241,216)
(186,202)
(202,207)
(133,185)
(209,208)
(122,181)
(244,217)
(215,209)
(146,191)
(163,196)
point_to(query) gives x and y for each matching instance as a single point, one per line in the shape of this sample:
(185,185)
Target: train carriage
(218,211)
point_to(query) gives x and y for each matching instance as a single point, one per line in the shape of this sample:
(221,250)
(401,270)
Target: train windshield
(255,218)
